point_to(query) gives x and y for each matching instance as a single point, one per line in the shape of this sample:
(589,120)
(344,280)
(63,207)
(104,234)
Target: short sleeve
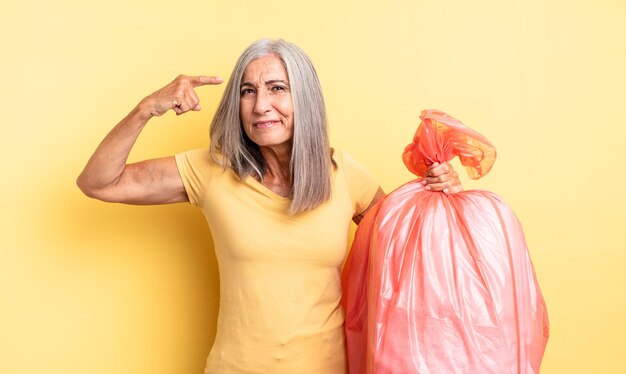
(362,186)
(194,168)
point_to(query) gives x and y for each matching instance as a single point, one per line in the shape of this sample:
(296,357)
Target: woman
(277,199)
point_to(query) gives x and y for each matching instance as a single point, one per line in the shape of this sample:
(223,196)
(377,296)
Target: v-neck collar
(251,181)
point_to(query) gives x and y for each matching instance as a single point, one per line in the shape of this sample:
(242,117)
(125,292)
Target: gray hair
(311,163)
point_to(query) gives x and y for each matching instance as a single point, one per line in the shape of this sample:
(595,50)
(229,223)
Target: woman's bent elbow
(84,188)
(88,189)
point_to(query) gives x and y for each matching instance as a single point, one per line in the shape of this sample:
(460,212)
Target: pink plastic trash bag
(438,283)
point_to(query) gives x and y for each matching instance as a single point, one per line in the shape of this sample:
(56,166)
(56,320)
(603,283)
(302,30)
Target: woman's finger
(194,101)
(179,95)
(181,105)
(451,175)
(184,106)
(437,169)
(435,187)
(202,80)
(452,190)
(178,110)
(442,178)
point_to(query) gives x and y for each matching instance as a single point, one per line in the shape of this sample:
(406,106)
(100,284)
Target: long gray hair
(311,164)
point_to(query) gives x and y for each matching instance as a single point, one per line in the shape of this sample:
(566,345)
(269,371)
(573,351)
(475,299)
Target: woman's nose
(263,102)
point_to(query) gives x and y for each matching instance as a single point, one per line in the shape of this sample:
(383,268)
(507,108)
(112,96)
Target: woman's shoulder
(197,152)
(199,160)
(342,158)
(201,156)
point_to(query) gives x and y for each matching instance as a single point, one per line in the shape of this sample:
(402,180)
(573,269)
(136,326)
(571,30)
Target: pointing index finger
(203,80)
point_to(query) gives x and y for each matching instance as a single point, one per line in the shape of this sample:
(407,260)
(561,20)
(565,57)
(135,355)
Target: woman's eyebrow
(271,81)
(276,81)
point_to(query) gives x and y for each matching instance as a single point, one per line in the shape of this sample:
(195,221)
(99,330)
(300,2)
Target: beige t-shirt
(279,275)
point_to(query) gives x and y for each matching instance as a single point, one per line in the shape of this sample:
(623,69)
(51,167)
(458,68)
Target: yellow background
(88,287)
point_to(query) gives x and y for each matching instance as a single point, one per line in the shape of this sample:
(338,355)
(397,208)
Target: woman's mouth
(264,124)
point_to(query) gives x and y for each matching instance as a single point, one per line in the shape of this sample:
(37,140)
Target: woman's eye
(247,91)
(278,88)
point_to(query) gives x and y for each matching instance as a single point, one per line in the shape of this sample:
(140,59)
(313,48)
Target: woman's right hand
(179,95)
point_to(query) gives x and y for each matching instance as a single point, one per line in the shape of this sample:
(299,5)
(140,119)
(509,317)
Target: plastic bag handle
(441,137)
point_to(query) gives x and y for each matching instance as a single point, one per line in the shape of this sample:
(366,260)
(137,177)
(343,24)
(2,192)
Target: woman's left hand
(442,177)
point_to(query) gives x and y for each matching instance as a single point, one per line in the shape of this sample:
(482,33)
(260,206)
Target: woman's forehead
(264,69)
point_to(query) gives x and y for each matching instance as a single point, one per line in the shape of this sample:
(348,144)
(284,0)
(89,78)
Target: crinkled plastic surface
(440,137)
(439,283)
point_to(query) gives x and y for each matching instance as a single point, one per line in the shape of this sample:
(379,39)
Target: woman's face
(266,108)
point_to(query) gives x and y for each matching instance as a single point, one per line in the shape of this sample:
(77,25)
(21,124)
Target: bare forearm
(106,165)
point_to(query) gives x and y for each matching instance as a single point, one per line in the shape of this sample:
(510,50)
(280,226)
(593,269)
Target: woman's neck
(278,169)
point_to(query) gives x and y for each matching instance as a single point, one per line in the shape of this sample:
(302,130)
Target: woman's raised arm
(107,177)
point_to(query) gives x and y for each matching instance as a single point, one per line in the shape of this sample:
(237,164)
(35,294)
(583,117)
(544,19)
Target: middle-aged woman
(278,201)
